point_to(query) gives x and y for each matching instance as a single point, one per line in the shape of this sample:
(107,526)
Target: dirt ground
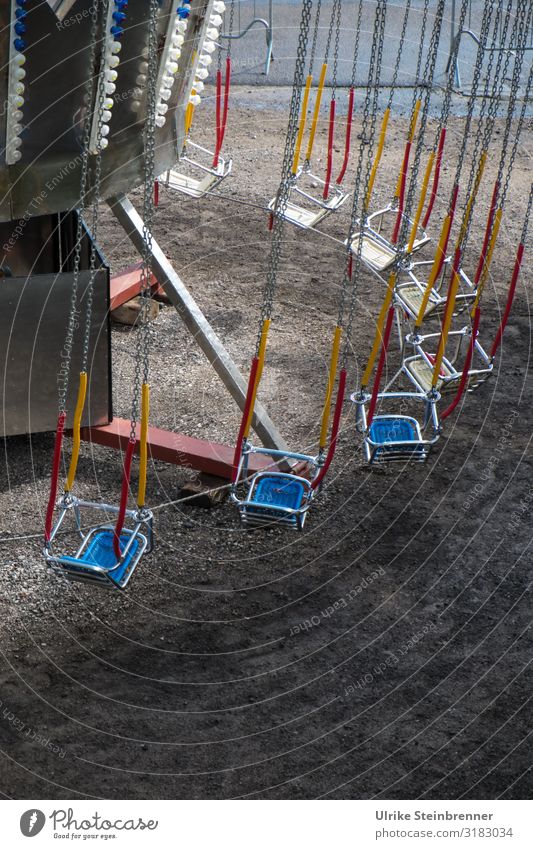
(385,651)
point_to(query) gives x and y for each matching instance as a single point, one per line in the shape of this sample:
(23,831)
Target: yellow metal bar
(314,122)
(78,412)
(331,383)
(488,258)
(471,199)
(450,306)
(143,444)
(261,362)
(379,151)
(379,329)
(301,128)
(189,113)
(434,270)
(418,216)
(410,137)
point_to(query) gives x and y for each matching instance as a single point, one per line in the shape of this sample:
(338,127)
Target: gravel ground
(411,677)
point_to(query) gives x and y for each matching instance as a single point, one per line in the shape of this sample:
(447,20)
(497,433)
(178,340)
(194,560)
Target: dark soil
(384,652)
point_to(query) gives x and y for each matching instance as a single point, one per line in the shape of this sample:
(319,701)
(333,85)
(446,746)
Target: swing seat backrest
(393,438)
(276,496)
(96,563)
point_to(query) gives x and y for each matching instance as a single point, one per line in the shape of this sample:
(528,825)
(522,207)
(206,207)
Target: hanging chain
(445,112)
(399,54)
(526,219)
(144,333)
(418,82)
(336,51)
(330,29)
(485,27)
(369,120)
(66,353)
(282,197)
(230,26)
(315,38)
(101,96)
(515,83)
(429,73)
(356,44)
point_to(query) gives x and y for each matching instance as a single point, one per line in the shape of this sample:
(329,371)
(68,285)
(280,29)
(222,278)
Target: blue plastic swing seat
(396,438)
(97,562)
(272,495)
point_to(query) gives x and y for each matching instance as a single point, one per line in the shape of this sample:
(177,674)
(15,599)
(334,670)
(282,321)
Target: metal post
(196,322)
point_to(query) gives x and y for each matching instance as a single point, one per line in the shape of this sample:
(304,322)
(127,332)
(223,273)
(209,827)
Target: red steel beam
(213,458)
(127,284)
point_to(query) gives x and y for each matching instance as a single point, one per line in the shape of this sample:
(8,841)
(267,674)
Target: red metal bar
(222,121)
(488,231)
(245,413)
(218,105)
(347,142)
(401,199)
(124,493)
(436,178)
(334,430)
(156,192)
(510,298)
(178,449)
(466,367)
(127,284)
(381,363)
(331,135)
(56,462)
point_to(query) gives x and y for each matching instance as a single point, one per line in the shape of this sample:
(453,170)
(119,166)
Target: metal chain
(418,83)
(356,43)
(445,111)
(399,54)
(527,216)
(369,118)
(496,95)
(336,51)
(144,336)
(282,197)
(485,27)
(66,353)
(315,38)
(230,26)
(101,96)
(515,83)
(333,18)
(429,73)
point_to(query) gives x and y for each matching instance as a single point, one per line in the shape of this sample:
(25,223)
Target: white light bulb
(162,108)
(205,60)
(181,26)
(115,47)
(160,121)
(219,6)
(174,54)
(111,76)
(141,79)
(178,39)
(198,86)
(165,94)
(113,61)
(167,82)
(106,116)
(172,68)
(202,73)
(19,59)
(16,142)
(135,105)
(108,103)
(103,143)
(215,20)
(211,33)
(143,67)
(17,101)
(209,47)
(20,73)
(195,99)
(17,115)
(16,156)
(110,88)
(104,130)
(19,88)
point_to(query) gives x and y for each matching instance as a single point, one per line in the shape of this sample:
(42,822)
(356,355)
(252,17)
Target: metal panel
(47,178)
